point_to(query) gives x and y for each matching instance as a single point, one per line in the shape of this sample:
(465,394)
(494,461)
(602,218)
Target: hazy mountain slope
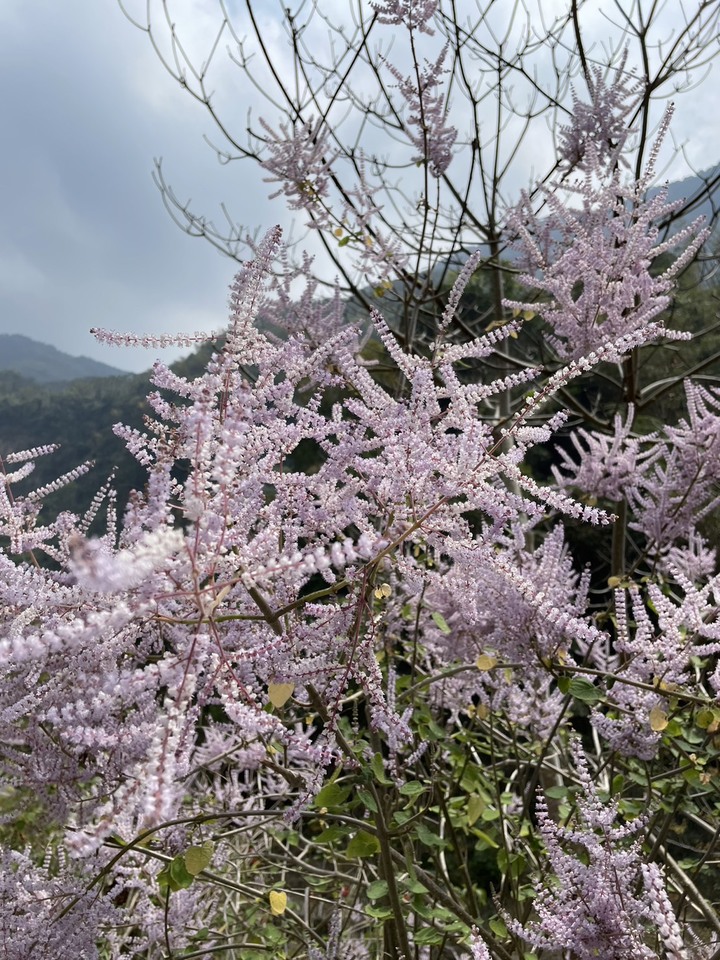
(45,364)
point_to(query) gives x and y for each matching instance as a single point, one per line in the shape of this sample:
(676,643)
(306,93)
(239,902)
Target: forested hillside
(79,416)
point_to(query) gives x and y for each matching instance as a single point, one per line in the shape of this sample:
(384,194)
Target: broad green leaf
(708,718)
(413,788)
(618,782)
(584,690)
(498,928)
(379,913)
(333,833)
(363,845)
(174,876)
(430,839)
(378,768)
(366,798)
(332,795)
(181,876)
(414,886)
(428,936)
(377,889)
(440,622)
(556,793)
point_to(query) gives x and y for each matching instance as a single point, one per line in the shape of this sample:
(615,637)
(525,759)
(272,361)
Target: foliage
(334,683)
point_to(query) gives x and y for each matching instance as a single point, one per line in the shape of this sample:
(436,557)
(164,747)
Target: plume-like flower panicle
(435,136)
(194,611)
(602,900)
(32,901)
(32,454)
(112,338)
(593,264)
(300,159)
(478,947)
(598,130)
(413,14)
(668,477)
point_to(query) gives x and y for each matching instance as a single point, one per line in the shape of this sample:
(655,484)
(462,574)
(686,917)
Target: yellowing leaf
(278,902)
(485,662)
(280,693)
(658,719)
(198,858)
(474,808)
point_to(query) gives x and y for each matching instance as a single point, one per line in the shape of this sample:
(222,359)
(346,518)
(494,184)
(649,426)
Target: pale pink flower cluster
(604,900)
(413,14)
(598,130)
(591,259)
(435,137)
(300,159)
(669,477)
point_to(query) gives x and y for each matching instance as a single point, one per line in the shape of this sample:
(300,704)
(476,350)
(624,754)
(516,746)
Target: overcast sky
(84,238)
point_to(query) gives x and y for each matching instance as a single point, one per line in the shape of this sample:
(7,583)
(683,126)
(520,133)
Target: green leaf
(379,913)
(174,876)
(674,728)
(378,768)
(367,799)
(556,793)
(401,817)
(498,928)
(332,795)
(181,876)
(429,838)
(704,717)
(414,886)
(333,833)
(440,622)
(363,845)
(563,684)
(584,690)
(198,858)
(377,889)
(428,936)
(345,241)
(485,839)
(413,788)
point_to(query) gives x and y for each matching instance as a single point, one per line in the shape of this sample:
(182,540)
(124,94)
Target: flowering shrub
(334,684)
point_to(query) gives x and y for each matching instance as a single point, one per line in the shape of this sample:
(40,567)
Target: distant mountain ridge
(45,364)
